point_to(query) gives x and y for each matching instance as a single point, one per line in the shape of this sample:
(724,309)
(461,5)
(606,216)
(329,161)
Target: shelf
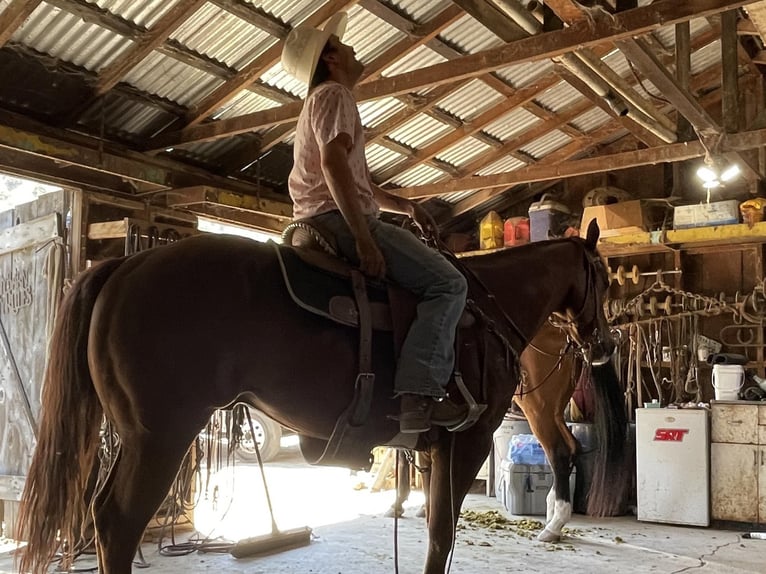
(659,241)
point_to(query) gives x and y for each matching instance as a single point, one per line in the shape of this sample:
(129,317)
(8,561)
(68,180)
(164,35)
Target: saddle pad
(318,290)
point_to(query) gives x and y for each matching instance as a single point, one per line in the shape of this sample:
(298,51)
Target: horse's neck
(528,284)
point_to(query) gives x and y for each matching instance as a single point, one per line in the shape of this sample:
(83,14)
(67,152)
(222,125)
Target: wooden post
(683,73)
(729,74)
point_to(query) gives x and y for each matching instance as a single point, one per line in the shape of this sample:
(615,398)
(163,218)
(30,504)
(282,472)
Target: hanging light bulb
(711,183)
(730,172)
(706,174)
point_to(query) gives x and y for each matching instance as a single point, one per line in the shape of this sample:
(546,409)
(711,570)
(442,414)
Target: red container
(516,231)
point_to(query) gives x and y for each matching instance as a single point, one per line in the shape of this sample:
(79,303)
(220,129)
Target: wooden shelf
(659,241)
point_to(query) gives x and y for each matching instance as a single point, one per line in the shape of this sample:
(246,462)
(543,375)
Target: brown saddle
(320,281)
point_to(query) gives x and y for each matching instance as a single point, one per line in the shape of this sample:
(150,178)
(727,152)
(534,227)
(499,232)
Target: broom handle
(274,528)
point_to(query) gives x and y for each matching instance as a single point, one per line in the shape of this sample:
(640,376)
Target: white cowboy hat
(304,45)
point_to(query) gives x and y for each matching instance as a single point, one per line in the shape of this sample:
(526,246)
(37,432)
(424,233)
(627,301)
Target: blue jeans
(427,356)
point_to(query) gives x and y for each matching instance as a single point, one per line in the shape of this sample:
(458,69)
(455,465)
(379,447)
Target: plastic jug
(491,231)
(516,231)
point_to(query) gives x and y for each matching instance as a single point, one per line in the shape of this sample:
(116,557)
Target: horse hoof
(548,536)
(393,513)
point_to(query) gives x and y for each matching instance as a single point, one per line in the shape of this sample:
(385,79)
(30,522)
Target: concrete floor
(351,536)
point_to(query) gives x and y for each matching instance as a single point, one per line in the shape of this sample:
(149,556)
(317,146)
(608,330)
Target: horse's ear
(592,237)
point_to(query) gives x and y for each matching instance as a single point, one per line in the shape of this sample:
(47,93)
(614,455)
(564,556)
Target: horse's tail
(67,441)
(611,477)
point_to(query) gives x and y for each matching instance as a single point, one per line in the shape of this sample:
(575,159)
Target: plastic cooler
(547,219)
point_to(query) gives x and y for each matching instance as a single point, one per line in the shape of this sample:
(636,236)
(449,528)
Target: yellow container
(491,231)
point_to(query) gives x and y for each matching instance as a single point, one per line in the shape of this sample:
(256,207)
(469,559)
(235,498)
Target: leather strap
(365,378)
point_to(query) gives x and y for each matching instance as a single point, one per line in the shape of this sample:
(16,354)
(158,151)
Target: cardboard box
(615,218)
(706,214)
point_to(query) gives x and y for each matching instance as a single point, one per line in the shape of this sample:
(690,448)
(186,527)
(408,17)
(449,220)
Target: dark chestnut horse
(158,340)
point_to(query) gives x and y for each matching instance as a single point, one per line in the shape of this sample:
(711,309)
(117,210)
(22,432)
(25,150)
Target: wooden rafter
(519,98)
(682,99)
(668,153)
(144,46)
(13,17)
(623,25)
(573,149)
(255,16)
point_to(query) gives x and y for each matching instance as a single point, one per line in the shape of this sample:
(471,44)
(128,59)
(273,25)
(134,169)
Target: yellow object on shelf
(752,210)
(491,231)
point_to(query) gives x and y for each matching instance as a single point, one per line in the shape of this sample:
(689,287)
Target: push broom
(277,540)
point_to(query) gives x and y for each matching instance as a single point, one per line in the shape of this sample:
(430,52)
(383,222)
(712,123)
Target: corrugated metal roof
(277,77)
(142,12)
(470,100)
(68,38)
(169,78)
(591,120)
(667,34)
(223,36)
(380,158)
(559,97)
(520,75)
(420,57)
(463,152)
(244,103)
(293,12)
(127,118)
(469,35)
(546,144)
(507,163)
(368,34)
(420,131)
(511,124)
(706,57)
(375,112)
(420,175)
(420,10)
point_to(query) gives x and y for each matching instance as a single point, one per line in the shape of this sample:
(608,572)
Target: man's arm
(340,181)
(395,204)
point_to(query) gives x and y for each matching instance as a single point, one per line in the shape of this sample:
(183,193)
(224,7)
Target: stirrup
(474,409)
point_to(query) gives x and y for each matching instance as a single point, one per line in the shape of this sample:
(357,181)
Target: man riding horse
(330,183)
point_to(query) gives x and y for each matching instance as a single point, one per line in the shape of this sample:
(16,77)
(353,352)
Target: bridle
(568,322)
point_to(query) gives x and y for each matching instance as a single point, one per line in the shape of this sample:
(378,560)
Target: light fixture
(715,172)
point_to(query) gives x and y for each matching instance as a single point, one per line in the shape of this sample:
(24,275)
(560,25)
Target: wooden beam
(203,194)
(669,153)
(628,122)
(255,16)
(730,73)
(14,16)
(573,149)
(144,173)
(567,10)
(419,35)
(255,68)
(623,25)
(640,56)
(522,96)
(747,28)
(683,75)
(493,19)
(145,45)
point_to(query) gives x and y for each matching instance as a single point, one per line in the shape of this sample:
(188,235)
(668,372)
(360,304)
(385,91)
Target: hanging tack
(621,275)
(655,306)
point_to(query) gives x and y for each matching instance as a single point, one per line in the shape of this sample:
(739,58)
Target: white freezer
(673,466)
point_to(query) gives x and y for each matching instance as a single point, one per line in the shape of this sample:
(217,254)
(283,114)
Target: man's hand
(424,221)
(371,260)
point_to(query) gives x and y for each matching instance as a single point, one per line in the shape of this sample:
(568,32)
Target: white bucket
(727,381)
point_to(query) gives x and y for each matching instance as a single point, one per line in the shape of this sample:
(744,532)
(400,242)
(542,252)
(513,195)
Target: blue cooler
(547,219)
